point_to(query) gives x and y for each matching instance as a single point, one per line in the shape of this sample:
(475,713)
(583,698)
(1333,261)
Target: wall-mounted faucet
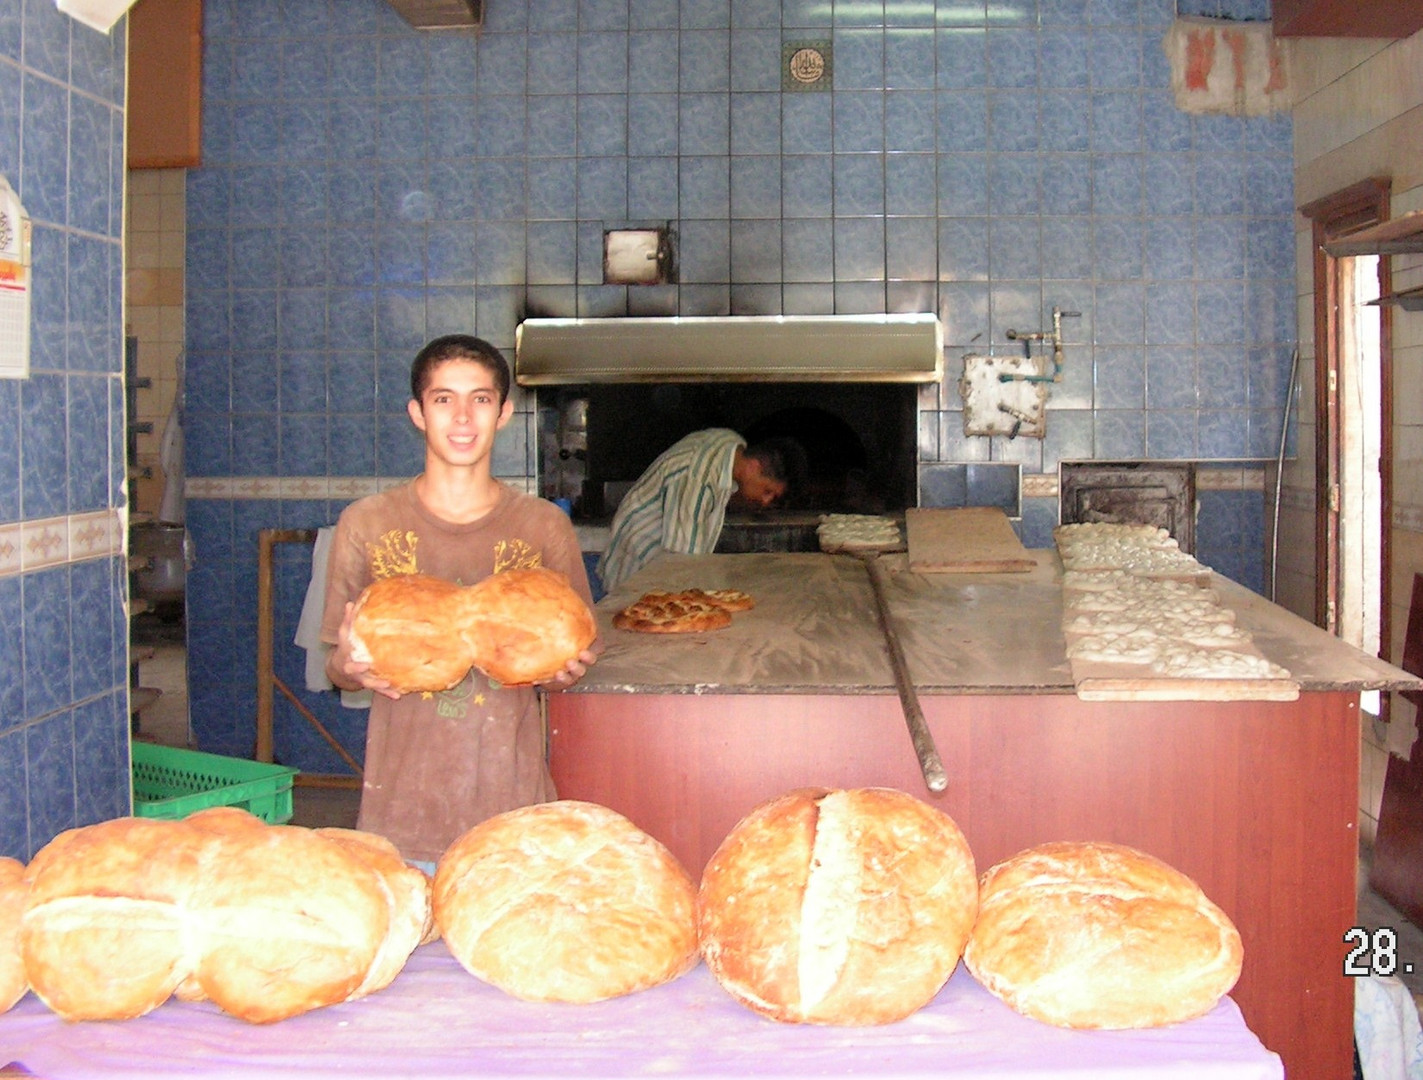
(1040,335)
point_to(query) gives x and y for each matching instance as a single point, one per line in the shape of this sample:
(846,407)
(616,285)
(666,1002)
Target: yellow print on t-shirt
(515,555)
(453,704)
(393,554)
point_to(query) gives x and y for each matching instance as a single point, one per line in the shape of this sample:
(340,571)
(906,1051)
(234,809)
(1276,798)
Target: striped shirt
(677,505)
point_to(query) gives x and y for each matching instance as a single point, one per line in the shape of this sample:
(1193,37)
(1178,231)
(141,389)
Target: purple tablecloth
(436,1020)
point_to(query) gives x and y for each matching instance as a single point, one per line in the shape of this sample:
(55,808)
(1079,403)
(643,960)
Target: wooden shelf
(1347,18)
(165,66)
(1398,236)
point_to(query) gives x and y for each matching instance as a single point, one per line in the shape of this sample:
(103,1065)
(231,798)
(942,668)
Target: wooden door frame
(1356,207)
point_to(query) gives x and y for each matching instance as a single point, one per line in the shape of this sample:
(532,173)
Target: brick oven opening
(860,438)
(1160,493)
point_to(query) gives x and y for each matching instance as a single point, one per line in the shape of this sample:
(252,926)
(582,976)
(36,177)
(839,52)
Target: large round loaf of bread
(565,901)
(1095,935)
(525,625)
(407,628)
(838,907)
(286,921)
(105,934)
(13,891)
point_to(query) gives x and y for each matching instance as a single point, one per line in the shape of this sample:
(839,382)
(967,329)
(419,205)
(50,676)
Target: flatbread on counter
(689,611)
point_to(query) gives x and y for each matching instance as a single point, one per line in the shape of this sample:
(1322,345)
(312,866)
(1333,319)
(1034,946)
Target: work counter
(1256,800)
(813,630)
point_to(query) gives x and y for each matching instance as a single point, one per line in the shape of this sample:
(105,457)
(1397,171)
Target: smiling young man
(438,764)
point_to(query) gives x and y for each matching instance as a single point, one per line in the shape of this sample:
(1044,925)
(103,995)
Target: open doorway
(1360,436)
(1353,422)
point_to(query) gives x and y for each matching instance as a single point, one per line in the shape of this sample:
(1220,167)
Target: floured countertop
(814,630)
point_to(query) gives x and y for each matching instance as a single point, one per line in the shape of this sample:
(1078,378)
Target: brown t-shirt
(438,764)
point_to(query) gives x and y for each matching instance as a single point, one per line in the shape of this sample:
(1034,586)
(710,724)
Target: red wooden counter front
(1255,800)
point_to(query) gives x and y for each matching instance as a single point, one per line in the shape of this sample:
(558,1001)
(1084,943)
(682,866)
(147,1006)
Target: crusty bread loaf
(423,633)
(1095,935)
(105,935)
(13,892)
(565,901)
(838,907)
(267,921)
(406,628)
(527,625)
(408,889)
(287,921)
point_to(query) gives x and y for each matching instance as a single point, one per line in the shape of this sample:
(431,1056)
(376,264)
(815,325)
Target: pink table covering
(436,1020)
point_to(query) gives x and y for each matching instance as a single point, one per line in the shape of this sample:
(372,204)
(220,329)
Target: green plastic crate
(169,782)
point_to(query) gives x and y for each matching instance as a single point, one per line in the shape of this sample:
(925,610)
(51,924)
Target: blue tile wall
(63,700)
(366,186)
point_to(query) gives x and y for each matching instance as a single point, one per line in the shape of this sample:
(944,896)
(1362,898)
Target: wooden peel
(929,763)
(935,778)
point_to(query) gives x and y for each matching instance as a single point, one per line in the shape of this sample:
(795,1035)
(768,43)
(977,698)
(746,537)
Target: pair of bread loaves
(822,906)
(265,921)
(852,907)
(424,633)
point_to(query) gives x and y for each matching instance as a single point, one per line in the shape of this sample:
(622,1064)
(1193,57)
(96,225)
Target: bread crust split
(565,901)
(1097,935)
(846,907)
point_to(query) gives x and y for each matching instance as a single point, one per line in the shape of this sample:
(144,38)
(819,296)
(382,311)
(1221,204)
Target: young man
(679,503)
(438,764)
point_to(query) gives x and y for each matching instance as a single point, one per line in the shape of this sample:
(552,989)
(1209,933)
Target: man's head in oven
(766,471)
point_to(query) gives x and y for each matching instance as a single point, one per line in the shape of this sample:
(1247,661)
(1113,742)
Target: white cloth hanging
(308,627)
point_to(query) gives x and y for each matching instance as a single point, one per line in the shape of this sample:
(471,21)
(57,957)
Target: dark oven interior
(860,440)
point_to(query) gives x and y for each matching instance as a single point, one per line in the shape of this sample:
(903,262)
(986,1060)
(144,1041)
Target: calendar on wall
(14,285)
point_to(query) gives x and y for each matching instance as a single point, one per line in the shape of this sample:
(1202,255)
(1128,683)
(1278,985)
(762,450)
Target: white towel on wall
(308,627)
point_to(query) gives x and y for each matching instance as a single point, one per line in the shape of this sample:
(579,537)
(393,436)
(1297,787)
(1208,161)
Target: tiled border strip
(48,542)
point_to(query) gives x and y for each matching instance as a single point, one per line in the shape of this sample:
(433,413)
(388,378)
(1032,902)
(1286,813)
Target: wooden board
(1124,682)
(1098,680)
(970,540)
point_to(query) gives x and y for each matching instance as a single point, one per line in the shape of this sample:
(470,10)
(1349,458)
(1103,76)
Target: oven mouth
(612,394)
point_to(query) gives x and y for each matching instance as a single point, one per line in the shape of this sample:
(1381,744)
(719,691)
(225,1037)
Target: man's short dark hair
(782,458)
(459,347)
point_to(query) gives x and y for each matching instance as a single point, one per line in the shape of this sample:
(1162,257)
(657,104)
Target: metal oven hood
(730,348)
